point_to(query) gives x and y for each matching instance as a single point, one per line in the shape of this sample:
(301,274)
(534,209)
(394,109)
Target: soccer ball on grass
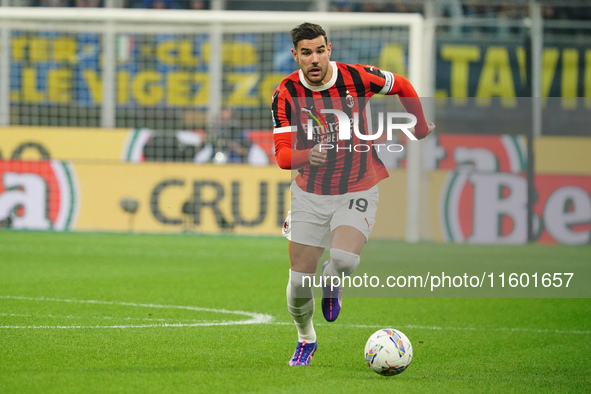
(388,352)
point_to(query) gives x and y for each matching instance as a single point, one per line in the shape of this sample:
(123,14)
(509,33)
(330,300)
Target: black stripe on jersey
(364,155)
(313,170)
(373,70)
(357,81)
(375,88)
(288,110)
(331,156)
(275,109)
(291,87)
(341,86)
(360,88)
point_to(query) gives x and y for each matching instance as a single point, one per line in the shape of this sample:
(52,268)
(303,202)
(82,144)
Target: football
(388,352)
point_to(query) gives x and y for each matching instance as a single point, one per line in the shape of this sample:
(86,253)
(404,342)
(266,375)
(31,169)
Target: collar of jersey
(333,79)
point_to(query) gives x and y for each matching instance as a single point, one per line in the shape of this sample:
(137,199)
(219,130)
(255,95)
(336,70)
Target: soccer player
(334,194)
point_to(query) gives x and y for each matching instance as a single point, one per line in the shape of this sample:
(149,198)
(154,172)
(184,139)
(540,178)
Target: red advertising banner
(483,198)
(38,195)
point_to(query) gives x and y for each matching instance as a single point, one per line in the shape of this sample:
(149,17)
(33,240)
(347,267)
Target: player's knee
(344,262)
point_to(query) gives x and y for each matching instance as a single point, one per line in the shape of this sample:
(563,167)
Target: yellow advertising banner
(62,143)
(182,197)
(391,215)
(562,155)
(205,199)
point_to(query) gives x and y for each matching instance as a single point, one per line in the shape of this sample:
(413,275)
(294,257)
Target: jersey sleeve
(280,110)
(284,132)
(378,81)
(412,103)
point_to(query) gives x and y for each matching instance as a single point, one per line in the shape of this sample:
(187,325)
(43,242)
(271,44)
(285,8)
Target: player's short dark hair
(307,31)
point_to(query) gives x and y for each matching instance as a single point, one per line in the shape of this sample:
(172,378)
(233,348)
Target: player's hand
(431,127)
(317,155)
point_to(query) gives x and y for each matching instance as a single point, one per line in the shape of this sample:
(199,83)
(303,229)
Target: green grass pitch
(124,313)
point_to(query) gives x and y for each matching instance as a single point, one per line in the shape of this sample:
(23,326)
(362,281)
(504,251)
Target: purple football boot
(303,354)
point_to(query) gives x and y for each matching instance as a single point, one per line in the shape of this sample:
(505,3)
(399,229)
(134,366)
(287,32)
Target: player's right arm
(284,135)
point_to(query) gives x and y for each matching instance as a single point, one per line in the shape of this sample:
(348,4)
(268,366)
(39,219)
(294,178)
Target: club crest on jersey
(349,100)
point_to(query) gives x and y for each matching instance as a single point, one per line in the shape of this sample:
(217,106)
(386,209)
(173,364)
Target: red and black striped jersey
(352,164)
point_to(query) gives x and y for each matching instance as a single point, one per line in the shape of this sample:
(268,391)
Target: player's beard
(316,78)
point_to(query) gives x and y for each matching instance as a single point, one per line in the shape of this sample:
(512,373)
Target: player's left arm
(412,103)
(388,83)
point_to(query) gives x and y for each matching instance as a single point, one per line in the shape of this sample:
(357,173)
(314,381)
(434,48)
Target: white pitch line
(254,318)
(104,318)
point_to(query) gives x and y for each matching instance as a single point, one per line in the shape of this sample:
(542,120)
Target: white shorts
(313,217)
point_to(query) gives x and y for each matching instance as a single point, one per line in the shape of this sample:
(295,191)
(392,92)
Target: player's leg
(307,228)
(345,247)
(300,298)
(304,258)
(351,226)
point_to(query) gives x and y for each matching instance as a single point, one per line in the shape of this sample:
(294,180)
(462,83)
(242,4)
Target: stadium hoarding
(465,206)
(478,187)
(490,208)
(111,145)
(475,184)
(63,143)
(39,195)
(170,198)
(183,198)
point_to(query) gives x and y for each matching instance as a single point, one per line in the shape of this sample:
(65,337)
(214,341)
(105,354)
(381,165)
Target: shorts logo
(286,230)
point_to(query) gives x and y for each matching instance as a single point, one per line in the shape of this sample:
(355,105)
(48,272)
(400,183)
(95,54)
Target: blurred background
(153,115)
